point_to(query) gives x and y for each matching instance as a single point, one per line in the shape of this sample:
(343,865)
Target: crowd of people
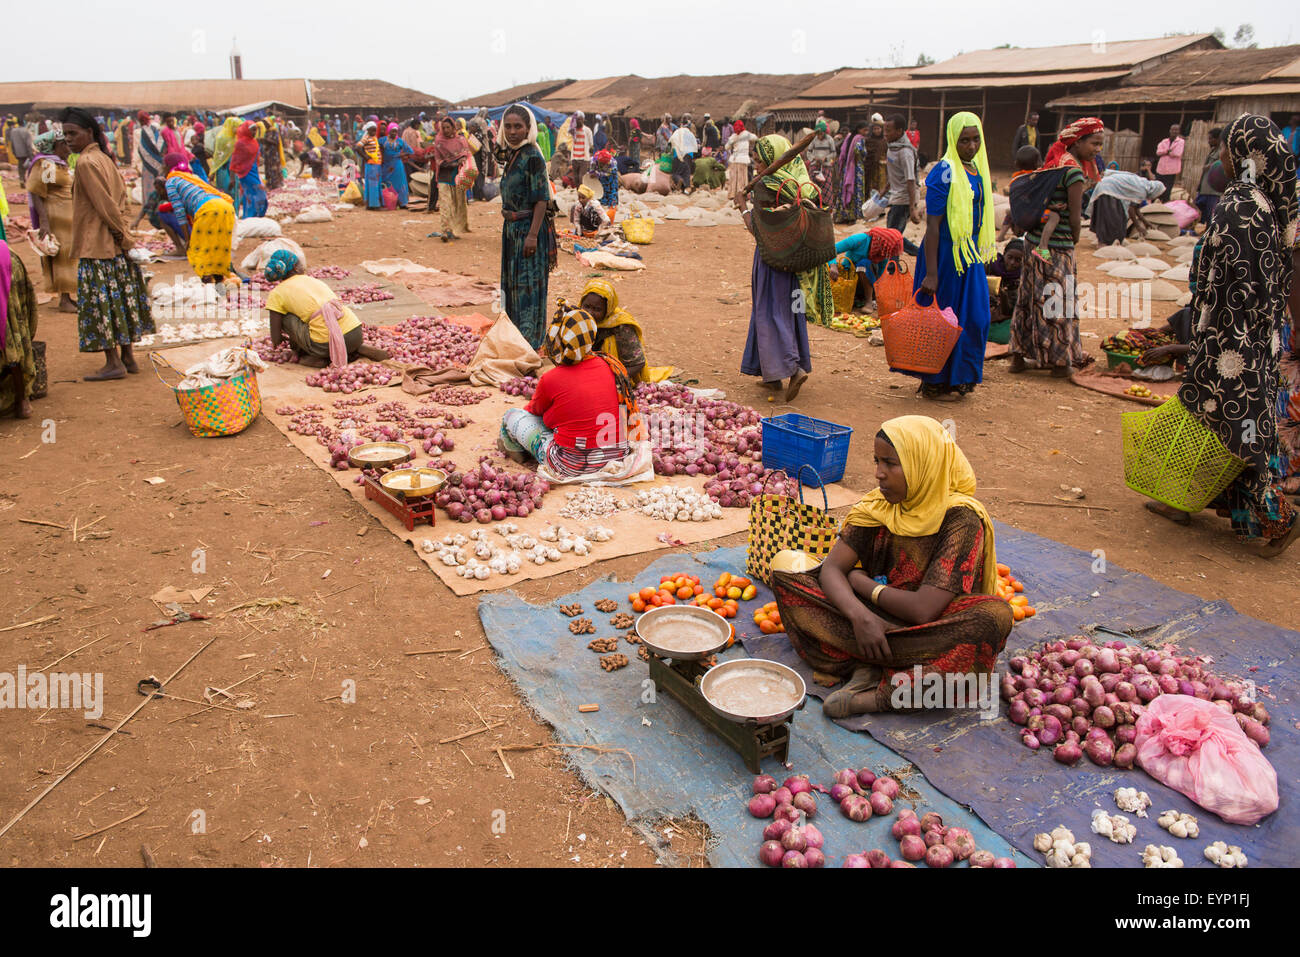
(200,174)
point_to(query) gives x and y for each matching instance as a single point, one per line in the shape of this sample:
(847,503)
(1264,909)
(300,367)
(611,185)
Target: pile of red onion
(455,395)
(351,377)
(735,483)
(364,292)
(277,354)
(489,493)
(329,272)
(520,385)
(1079,698)
(424,340)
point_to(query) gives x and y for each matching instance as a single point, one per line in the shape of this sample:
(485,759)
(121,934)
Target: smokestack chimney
(236,62)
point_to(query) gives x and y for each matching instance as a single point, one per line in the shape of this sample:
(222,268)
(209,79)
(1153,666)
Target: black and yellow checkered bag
(779,522)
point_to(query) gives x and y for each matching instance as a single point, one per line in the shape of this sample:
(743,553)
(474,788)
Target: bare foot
(371,352)
(23,410)
(66,304)
(1017,363)
(1177,516)
(312,362)
(1277,546)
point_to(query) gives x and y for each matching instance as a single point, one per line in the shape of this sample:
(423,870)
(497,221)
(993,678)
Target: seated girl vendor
(576,421)
(320,328)
(910,583)
(617,333)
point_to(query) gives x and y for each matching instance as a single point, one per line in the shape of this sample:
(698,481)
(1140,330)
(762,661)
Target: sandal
(1276,546)
(860,694)
(796,383)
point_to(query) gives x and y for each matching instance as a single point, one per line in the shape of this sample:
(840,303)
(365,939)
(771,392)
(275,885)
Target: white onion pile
(350,378)
(520,385)
(424,340)
(364,292)
(490,494)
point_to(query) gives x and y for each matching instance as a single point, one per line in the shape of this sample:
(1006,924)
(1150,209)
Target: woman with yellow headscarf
(617,333)
(223,148)
(783,302)
(959,240)
(909,589)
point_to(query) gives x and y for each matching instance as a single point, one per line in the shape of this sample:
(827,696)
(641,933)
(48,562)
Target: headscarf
(939,477)
(246,151)
(571,338)
(634,124)
(738,126)
(786,181)
(224,144)
(79,117)
(586,193)
(174,161)
(450,149)
(1261,159)
(518,109)
(1129,188)
(199,128)
(44,143)
(392,128)
(603,157)
(616,315)
(1058,152)
(143,117)
(819,126)
(280,265)
(969,247)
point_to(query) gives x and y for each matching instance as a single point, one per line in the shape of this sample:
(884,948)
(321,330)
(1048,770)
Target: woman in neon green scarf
(783,303)
(223,149)
(959,240)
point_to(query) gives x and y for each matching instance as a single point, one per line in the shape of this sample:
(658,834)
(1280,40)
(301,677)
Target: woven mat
(634,533)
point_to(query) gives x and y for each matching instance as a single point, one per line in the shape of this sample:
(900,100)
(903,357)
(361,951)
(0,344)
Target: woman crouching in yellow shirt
(320,329)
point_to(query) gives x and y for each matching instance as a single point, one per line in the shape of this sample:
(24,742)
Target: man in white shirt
(901,170)
(738,159)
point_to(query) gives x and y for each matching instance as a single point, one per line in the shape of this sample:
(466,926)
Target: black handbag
(794,236)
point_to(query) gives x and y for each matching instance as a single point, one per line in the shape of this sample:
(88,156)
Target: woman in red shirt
(576,422)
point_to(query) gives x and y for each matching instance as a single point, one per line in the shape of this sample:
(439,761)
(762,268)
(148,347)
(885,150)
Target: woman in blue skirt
(959,240)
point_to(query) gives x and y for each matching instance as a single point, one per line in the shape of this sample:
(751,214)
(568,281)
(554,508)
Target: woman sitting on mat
(910,583)
(576,422)
(617,333)
(321,330)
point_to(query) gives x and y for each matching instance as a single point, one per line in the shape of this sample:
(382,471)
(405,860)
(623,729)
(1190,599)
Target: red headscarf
(739,126)
(449,149)
(246,150)
(1059,155)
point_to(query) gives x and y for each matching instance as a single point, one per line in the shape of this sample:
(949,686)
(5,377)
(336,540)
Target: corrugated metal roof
(847,83)
(215,94)
(828,103)
(1037,79)
(1276,88)
(1057,59)
(524,91)
(1120,95)
(1291,69)
(583,89)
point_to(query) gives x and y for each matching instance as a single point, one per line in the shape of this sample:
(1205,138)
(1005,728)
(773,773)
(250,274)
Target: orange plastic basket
(893,288)
(919,338)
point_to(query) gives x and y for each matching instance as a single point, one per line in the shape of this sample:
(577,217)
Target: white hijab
(532,128)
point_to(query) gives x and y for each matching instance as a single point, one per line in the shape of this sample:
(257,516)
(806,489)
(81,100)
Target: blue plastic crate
(791,441)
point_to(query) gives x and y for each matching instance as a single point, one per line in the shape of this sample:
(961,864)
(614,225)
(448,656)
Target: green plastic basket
(1171,457)
(1116,359)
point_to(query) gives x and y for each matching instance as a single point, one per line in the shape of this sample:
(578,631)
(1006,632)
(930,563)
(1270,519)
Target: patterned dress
(524,278)
(18,351)
(1242,279)
(966,638)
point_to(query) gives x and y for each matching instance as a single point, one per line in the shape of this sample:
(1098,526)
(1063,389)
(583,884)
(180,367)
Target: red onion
(981,859)
(1125,756)
(886,786)
(856,808)
(847,776)
(794,859)
(1019,711)
(762,805)
(364,292)
(794,839)
(1030,740)
(901,864)
(931,820)
(938,856)
(1125,734)
(959,841)
(1254,730)
(934,836)
(877,858)
(905,825)
(797,783)
(813,837)
(1004,863)
(1067,753)
(911,847)
(840,791)
(783,795)
(813,857)
(771,853)
(804,801)
(786,812)
(866,778)
(881,803)
(854,860)
(775,830)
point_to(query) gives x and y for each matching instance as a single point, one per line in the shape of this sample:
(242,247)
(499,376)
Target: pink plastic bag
(1198,749)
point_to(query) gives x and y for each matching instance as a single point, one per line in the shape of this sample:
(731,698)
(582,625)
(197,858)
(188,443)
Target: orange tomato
(749,592)
(720,591)
(741,582)
(728,611)
(766,627)
(722,581)
(734,592)
(655,600)
(684,592)
(646,593)
(1017,613)
(1003,569)
(638,605)
(1018,586)
(697,589)
(1030,611)
(714,603)
(633,597)
(759,617)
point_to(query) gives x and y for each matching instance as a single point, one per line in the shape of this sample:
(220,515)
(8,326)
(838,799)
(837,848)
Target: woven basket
(223,409)
(845,287)
(1171,457)
(919,338)
(893,288)
(639,229)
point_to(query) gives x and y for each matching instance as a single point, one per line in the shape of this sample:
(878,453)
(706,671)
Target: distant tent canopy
(256,111)
(496,112)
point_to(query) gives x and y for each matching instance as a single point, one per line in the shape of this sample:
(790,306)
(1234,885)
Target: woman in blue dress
(959,240)
(393,172)
(528,246)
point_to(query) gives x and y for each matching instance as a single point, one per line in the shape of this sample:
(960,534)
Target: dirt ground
(306,779)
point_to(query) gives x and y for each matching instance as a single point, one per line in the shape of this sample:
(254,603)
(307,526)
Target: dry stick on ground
(1018,501)
(148,856)
(469,734)
(106,827)
(70,653)
(102,741)
(36,521)
(432,651)
(580,747)
(506,764)
(26,624)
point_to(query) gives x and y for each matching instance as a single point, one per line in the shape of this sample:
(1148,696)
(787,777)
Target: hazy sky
(447,49)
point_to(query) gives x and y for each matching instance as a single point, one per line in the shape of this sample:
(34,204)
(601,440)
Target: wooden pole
(1029,101)
(1142,127)
(943,145)
(984,105)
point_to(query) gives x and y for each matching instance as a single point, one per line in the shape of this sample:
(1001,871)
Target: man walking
(1170,162)
(900,169)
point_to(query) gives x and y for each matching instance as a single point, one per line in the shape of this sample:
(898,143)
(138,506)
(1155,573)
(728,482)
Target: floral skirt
(1255,516)
(112,304)
(1045,327)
